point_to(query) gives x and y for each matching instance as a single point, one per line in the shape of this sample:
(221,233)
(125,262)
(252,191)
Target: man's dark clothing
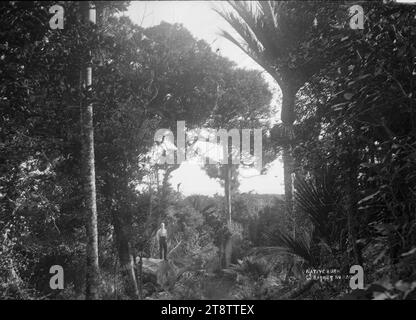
(163,248)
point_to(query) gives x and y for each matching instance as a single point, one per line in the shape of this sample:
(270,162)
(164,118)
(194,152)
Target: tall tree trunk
(288,117)
(287,114)
(126,258)
(121,224)
(88,169)
(289,91)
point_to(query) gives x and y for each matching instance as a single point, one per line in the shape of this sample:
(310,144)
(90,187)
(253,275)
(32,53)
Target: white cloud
(194,180)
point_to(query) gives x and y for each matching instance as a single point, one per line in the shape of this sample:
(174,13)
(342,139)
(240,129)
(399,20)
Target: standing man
(162,238)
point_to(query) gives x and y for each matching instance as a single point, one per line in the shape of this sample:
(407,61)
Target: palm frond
(249,42)
(286,244)
(259,38)
(272,31)
(252,267)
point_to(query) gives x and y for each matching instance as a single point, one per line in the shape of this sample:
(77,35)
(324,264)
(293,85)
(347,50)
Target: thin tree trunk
(141,276)
(292,178)
(287,176)
(228,250)
(228,246)
(163,192)
(227,192)
(150,197)
(88,169)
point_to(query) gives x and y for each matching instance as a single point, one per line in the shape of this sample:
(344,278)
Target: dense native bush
(357,117)
(353,142)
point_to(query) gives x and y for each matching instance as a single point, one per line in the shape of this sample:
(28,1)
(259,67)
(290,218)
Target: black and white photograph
(218,151)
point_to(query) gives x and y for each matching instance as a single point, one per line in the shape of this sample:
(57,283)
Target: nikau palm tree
(281,37)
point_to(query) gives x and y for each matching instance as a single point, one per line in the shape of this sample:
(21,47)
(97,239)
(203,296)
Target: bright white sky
(204,23)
